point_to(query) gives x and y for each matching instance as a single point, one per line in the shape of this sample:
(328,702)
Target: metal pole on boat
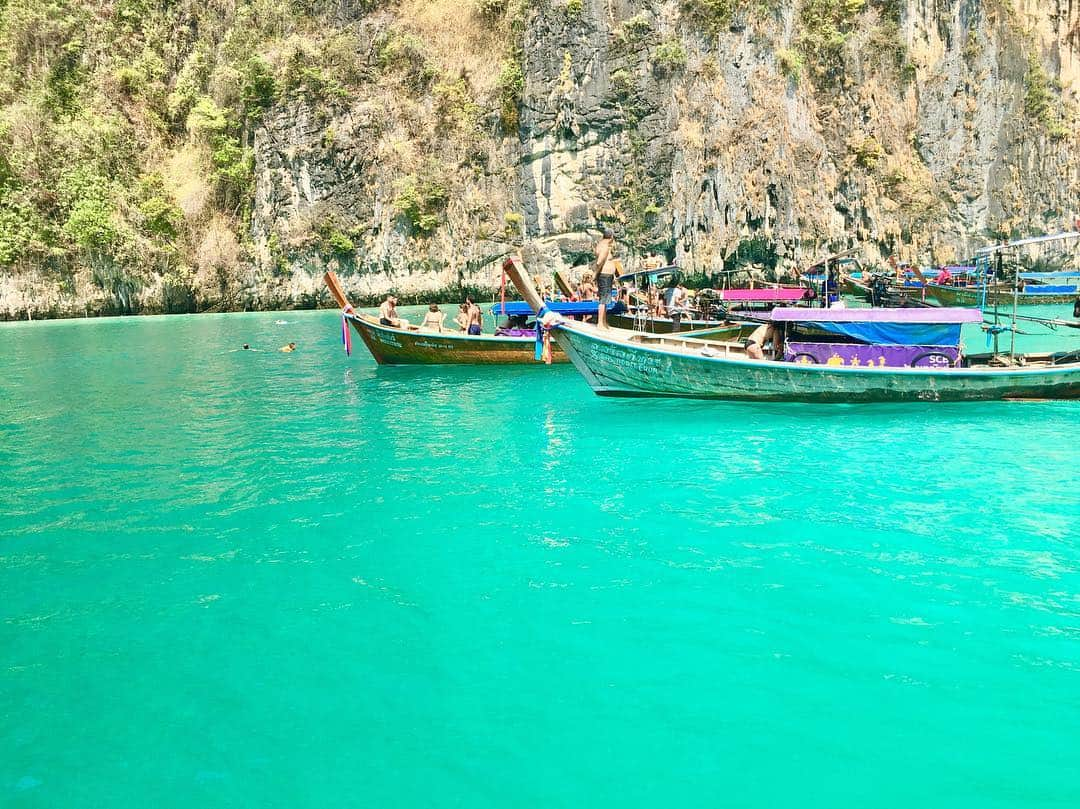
(997,299)
(1016,303)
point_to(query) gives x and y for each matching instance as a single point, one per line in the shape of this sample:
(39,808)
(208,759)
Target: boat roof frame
(930,315)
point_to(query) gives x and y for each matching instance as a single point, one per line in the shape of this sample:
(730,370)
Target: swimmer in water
(288,348)
(246,347)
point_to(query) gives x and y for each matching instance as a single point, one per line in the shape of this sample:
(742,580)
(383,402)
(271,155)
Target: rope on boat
(546,322)
(538,351)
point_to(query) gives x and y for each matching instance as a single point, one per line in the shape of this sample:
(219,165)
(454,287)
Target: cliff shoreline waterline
(318,299)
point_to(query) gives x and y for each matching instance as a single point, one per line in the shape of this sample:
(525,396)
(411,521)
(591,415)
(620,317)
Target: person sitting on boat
(604,273)
(1076,309)
(474,318)
(514,325)
(434,319)
(388,315)
(652,261)
(944,277)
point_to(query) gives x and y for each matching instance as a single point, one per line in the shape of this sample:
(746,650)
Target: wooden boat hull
(849,286)
(972,296)
(615,367)
(390,346)
(894,296)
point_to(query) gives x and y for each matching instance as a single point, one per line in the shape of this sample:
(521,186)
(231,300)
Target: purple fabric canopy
(874,356)
(912,315)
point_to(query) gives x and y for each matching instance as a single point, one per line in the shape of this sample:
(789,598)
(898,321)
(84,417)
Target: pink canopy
(782,294)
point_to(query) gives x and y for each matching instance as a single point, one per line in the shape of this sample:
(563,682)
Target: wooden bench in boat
(691,345)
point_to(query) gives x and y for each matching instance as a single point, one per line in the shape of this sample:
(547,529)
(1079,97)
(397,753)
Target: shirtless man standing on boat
(474,318)
(604,271)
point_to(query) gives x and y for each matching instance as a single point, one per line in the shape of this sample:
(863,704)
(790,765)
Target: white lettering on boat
(387,339)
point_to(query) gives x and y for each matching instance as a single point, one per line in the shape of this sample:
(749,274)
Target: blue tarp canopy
(1049,276)
(927,327)
(896,334)
(560,307)
(1047,289)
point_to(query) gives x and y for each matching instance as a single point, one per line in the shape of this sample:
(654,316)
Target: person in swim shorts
(604,272)
(474,318)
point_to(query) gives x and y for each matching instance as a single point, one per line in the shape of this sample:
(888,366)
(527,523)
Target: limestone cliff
(410,144)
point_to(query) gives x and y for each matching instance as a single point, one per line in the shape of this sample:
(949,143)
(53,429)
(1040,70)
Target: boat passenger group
(469,318)
(598,284)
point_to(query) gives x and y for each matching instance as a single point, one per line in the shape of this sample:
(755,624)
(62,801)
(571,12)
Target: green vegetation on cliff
(127,131)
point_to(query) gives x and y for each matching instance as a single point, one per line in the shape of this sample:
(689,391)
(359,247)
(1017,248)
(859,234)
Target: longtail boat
(1003,295)
(856,286)
(394,346)
(827,355)
(978,287)
(709,311)
(617,314)
(641,319)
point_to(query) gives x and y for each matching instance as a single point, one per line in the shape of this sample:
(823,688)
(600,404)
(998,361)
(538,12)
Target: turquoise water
(259,579)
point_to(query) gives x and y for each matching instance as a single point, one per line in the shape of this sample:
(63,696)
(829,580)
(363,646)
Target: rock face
(725,134)
(724,144)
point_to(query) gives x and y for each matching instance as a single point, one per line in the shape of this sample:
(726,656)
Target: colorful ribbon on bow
(538,353)
(346,337)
